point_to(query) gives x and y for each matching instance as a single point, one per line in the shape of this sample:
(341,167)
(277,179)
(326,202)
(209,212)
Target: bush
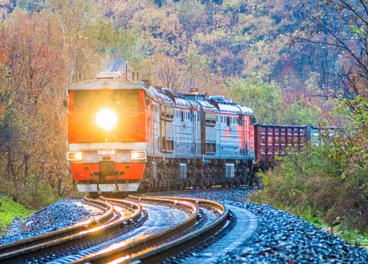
(316,184)
(35,193)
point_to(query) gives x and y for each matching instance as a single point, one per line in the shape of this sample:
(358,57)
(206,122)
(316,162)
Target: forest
(293,62)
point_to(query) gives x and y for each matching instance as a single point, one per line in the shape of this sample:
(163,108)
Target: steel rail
(136,208)
(67,237)
(21,244)
(122,249)
(161,252)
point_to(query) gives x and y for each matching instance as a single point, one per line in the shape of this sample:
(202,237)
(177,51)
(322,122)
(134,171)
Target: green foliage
(127,46)
(35,193)
(354,237)
(9,210)
(39,193)
(263,98)
(311,217)
(297,114)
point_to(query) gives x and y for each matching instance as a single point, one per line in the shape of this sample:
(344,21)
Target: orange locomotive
(106,134)
(123,135)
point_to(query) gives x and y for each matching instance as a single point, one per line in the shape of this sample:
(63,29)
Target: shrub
(315,183)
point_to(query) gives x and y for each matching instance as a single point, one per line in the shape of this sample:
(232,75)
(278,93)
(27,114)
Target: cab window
(91,99)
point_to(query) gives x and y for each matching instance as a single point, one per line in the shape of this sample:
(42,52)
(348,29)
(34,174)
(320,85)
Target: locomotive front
(106,134)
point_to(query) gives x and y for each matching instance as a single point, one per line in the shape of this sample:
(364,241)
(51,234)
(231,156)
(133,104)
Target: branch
(349,7)
(342,44)
(364,6)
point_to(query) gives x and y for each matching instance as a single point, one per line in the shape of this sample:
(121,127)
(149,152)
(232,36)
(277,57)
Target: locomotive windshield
(105,98)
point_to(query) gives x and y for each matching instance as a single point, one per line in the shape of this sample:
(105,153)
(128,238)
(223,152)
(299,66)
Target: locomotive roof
(239,109)
(226,108)
(182,102)
(153,93)
(97,84)
(177,102)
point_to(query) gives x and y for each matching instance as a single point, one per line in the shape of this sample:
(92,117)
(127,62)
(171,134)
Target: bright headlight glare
(75,155)
(106,119)
(138,155)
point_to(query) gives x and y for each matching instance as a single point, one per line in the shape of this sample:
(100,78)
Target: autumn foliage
(291,61)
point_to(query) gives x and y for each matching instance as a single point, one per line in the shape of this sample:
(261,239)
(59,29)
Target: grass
(354,237)
(9,210)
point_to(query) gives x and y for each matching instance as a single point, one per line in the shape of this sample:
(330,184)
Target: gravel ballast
(281,237)
(56,216)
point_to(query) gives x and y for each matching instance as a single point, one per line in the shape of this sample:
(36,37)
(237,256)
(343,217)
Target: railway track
(46,247)
(158,246)
(158,228)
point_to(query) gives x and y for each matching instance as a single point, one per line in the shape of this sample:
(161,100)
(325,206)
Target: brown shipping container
(271,140)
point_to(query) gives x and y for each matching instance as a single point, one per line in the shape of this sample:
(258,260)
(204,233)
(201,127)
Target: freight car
(124,135)
(275,140)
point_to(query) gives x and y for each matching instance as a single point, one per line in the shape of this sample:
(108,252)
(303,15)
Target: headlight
(106,119)
(138,155)
(74,155)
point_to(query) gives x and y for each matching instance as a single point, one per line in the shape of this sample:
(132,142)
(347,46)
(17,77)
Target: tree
(192,16)
(298,114)
(31,6)
(347,36)
(4,94)
(86,36)
(46,51)
(161,30)
(262,97)
(166,71)
(6,6)
(34,80)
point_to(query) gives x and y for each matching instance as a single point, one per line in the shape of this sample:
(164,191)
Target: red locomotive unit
(123,135)
(107,134)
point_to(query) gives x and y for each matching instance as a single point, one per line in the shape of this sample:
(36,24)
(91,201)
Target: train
(128,136)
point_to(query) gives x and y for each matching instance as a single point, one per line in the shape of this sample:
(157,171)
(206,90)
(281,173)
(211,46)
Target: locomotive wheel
(207,184)
(237,182)
(242,181)
(157,186)
(164,186)
(190,184)
(200,184)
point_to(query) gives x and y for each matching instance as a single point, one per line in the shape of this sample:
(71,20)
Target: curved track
(146,229)
(204,219)
(44,248)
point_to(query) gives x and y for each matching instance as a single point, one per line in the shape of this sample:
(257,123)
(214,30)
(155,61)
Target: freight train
(124,136)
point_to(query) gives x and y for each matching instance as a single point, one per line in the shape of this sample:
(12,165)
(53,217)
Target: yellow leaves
(166,70)
(3,55)
(3,109)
